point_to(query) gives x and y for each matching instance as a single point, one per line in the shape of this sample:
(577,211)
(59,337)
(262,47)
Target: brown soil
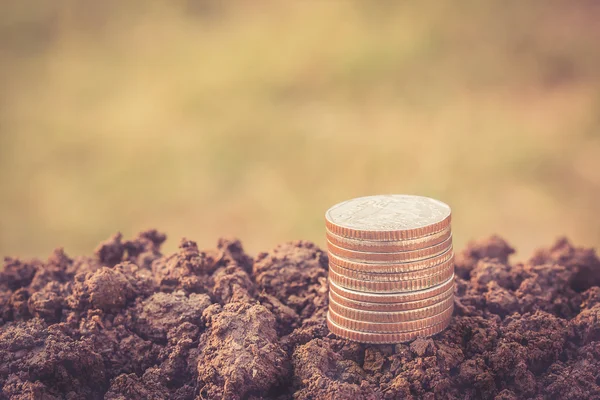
(129,323)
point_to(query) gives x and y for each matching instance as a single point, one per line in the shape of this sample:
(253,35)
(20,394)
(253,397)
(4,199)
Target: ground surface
(129,322)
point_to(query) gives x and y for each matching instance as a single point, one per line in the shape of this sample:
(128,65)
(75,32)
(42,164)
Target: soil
(130,323)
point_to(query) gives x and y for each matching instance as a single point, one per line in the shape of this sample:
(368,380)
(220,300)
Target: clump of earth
(131,323)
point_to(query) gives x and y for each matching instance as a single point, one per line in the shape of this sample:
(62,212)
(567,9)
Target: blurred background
(250,119)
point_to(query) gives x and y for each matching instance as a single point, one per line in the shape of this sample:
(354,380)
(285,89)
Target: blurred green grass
(208,118)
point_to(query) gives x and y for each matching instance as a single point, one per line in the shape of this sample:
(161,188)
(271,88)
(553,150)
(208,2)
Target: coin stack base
(391,268)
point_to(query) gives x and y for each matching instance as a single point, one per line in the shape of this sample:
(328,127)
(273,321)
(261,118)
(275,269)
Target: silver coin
(387,213)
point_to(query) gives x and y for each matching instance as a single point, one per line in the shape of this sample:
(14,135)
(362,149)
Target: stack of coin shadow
(391,268)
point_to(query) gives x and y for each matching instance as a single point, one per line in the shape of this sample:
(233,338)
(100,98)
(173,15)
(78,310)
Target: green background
(250,119)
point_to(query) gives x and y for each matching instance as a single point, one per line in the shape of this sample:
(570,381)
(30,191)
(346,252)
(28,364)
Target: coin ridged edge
(384,338)
(392,276)
(391,297)
(425,282)
(388,235)
(390,316)
(391,327)
(402,256)
(391,267)
(395,246)
(396,306)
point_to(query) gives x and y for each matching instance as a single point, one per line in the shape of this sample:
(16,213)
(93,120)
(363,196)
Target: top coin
(388,217)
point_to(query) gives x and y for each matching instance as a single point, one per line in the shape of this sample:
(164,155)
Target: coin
(385,298)
(391,327)
(391,267)
(392,246)
(394,286)
(404,256)
(383,338)
(390,316)
(388,217)
(390,307)
(396,276)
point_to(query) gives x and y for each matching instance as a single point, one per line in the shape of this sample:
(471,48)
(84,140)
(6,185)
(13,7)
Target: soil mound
(131,323)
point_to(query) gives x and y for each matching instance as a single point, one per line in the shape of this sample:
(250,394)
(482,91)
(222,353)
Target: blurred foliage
(250,119)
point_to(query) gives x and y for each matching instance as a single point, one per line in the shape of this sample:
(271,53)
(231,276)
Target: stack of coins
(391,268)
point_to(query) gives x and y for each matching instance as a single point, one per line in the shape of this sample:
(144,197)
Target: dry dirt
(131,323)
